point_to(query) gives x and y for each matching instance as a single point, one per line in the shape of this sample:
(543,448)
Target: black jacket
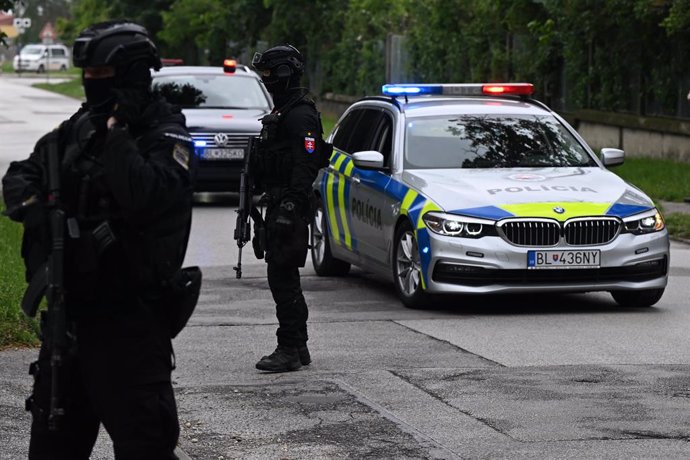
(291,149)
(137,180)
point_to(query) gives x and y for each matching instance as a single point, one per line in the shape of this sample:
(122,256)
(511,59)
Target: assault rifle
(55,294)
(246,208)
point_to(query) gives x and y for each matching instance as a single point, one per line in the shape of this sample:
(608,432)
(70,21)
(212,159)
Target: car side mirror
(368,159)
(612,157)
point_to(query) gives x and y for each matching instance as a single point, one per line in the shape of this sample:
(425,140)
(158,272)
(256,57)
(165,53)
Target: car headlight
(649,222)
(461,226)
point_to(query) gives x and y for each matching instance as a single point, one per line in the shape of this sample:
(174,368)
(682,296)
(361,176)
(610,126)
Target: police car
(478,188)
(222,106)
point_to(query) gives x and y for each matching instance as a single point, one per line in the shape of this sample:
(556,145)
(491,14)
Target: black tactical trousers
(291,309)
(119,375)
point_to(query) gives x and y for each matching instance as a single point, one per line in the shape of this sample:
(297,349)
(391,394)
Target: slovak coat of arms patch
(309,144)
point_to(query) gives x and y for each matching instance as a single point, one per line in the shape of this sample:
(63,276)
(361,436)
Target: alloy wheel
(408,264)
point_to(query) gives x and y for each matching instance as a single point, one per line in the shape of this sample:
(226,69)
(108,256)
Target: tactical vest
(273,155)
(98,235)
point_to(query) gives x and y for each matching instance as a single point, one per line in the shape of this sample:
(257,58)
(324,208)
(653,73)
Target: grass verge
(15,327)
(71,88)
(660,179)
(328,123)
(678,225)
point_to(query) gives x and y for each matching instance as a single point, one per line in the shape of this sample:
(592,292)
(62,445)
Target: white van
(40,58)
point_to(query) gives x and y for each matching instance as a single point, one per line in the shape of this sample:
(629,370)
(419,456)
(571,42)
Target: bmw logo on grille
(558,210)
(221,139)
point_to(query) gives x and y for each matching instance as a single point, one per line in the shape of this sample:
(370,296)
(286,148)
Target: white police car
(477,188)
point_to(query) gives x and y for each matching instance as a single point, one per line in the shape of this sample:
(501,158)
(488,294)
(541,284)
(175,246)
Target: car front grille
(547,232)
(586,232)
(531,233)
(233,140)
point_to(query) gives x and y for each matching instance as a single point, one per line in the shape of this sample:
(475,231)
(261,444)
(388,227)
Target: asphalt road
(540,376)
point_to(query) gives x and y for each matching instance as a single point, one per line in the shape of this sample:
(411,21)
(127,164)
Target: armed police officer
(290,153)
(124,169)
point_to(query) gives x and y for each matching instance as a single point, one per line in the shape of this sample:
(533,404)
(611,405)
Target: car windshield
(491,141)
(32,50)
(212,91)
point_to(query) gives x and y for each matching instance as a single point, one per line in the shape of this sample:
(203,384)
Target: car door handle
(356,179)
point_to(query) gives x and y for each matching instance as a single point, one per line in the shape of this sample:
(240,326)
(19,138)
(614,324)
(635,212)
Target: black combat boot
(284,359)
(304,356)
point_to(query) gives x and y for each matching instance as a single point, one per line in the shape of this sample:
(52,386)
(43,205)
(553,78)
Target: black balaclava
(99,94)
(136,79)
(286,65)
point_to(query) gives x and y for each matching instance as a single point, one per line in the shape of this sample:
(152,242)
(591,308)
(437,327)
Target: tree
(222,28)
(83,13)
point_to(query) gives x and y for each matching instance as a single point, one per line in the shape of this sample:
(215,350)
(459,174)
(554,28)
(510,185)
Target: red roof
(5,19)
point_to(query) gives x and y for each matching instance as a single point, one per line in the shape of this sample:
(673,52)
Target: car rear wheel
(324,262)
(40,69)
(407,268)
(63,68)
(644,298)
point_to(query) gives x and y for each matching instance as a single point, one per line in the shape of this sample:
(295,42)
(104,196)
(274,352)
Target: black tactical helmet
(124,46)
(114,43)
(281,67)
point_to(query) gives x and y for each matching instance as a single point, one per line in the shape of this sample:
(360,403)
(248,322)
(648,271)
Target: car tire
(407,272)
(322,258)
(644,298)
(40,69)
(63,68)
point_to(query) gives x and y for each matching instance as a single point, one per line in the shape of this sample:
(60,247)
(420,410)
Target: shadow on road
(488,304)
(536,303)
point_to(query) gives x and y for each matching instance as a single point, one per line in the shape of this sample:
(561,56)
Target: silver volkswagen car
(478,188)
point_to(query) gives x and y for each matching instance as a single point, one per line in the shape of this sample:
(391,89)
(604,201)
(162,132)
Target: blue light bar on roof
(411,90)
(463,89)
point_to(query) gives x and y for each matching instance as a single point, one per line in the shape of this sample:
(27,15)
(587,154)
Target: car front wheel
(324,262)
(407,268)
(644,298)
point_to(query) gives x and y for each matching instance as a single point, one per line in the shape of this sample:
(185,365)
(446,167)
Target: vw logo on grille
(558,210)
(221,139)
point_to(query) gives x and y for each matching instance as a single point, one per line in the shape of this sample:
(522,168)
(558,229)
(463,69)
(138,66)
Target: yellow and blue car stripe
(546,209)
(335,191)
(336,195)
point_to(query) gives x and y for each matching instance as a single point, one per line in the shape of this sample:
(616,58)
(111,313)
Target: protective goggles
(256,60)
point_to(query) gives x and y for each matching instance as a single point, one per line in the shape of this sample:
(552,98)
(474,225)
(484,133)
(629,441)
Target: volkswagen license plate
(563,259)
(223,154)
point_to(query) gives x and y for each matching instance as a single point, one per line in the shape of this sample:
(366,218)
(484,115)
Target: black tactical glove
(128,105)
(285,219)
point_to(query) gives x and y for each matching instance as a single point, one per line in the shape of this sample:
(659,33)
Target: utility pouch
(180,297)
(259,241)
